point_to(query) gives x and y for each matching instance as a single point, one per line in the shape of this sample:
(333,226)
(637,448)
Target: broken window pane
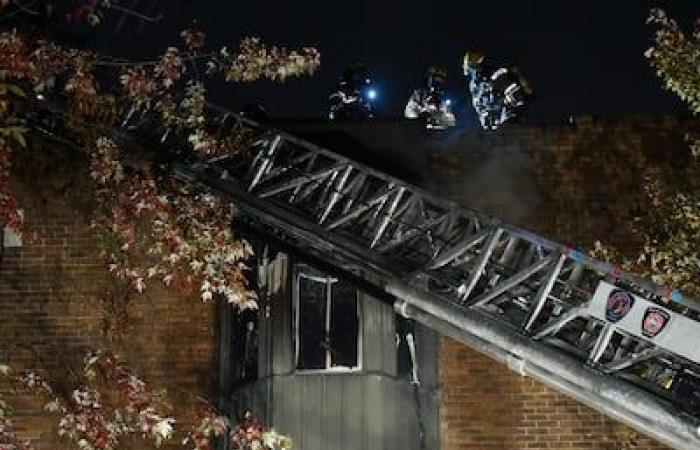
(328,324)
(344,325)
(312,323)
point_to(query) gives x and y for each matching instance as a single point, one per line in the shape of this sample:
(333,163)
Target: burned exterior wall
(375,404)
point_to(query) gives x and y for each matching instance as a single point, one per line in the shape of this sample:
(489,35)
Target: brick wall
(576,184)
(485,406)
(50,308)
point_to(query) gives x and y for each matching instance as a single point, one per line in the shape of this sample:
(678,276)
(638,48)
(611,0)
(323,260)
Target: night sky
(581,57)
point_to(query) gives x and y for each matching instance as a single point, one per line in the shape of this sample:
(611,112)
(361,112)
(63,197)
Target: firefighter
(498,93)
(430,103)
(352,98)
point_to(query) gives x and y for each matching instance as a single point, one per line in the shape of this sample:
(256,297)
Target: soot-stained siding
(368,407)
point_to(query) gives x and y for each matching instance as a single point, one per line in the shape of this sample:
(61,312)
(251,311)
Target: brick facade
(485,406)
(51,312)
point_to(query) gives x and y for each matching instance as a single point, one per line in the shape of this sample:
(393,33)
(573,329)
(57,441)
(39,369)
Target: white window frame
(328,281)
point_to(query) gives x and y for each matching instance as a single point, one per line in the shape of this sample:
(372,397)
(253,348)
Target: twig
(148,10)
(19,9)
(198,397)
(151,62)
(24,8)
(122,20)
(137,14)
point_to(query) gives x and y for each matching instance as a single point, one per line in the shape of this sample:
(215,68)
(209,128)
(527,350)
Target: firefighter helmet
(472,60)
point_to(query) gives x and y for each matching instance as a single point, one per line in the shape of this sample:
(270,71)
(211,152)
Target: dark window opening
(245,346)
(344,325)
(327,321)
(312,324)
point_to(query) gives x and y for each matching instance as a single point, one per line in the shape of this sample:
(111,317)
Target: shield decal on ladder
(618,305)
(655,319)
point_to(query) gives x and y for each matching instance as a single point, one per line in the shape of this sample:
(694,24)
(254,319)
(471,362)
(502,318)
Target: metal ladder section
(607,338)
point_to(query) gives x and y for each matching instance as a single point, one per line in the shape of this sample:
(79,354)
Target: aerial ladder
(609,339)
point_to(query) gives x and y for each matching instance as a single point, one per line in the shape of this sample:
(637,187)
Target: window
(245,346)
(327,321)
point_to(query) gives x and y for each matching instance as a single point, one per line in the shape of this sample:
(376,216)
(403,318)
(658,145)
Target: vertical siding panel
(410,419)
(263,345)
(374,413)
(378,348)
(345,432)
(268,397)
(403,415)
(341,411)
(332,412)
(308,399)
(388,341)
(260,394)
(280,400)
(404,431)
(295,408)
(353,413)
(400,431)
(370,410)
(257,400)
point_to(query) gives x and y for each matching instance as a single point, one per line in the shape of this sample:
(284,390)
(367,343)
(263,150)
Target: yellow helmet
(472,59)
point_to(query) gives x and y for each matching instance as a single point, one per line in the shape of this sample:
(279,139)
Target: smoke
(488,171)
(485,171)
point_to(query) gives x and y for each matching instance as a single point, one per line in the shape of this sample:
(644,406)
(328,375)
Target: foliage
(247,434)
(671,250)
(8,437)
(676,57)
(168,232)
(161,229)
(107,403)
(95,418)
(670,254)
(11,132)
(152,226)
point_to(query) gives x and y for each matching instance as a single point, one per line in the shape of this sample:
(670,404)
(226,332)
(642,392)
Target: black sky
(581,57)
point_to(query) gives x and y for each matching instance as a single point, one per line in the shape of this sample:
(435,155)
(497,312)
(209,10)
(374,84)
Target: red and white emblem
(655,319)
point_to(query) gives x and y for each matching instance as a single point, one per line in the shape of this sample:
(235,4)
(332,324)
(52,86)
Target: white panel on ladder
(646,320)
